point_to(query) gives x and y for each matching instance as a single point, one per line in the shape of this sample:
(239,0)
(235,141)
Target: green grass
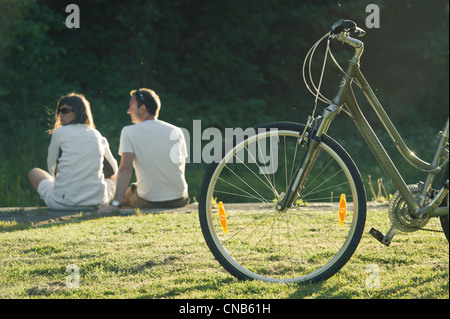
(165,256)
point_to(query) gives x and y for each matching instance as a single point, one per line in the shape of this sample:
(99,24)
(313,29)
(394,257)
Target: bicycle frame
(346,98)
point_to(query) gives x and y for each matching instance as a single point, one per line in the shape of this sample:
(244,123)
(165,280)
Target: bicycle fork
(313,132)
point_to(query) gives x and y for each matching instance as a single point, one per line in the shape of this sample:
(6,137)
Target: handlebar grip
(347,26)
(343,25)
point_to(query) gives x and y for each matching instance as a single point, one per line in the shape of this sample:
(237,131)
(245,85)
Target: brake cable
(309,57)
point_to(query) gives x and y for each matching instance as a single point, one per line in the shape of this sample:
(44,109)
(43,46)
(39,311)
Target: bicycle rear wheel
(306,243)
(445,202)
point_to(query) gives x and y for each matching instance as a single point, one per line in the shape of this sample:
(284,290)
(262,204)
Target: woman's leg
(37,175)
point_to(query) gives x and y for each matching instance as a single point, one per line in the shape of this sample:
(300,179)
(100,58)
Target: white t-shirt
(159,150)
(77,151)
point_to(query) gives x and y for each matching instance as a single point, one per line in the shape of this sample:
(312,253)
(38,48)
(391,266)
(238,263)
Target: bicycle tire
(445,202)
(309,245)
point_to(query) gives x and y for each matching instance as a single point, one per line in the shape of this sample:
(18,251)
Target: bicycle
(285,202)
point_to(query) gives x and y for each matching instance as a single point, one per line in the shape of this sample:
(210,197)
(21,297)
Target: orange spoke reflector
(223,218)
(342,210)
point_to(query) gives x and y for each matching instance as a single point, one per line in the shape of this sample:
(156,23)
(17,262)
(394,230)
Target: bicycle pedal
(378,236)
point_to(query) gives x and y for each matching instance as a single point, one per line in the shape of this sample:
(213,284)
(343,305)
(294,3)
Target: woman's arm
(54,151)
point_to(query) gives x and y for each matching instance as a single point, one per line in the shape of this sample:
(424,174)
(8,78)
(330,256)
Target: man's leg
(131,199)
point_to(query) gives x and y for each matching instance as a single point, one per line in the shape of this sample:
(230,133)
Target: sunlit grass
(165,256)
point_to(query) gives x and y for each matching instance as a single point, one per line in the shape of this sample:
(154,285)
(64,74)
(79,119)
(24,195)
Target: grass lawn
(165,256)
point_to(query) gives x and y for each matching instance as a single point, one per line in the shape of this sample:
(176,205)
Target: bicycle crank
(401,216)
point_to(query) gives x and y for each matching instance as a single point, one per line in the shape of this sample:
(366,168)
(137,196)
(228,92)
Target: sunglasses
(141,96)
(65,110)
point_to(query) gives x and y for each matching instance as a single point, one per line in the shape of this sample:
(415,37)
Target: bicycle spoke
(270,186)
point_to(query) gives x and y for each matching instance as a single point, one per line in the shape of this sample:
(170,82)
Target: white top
(159,150)
(76,152)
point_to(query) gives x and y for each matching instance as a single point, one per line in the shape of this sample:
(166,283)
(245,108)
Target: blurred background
(226,63)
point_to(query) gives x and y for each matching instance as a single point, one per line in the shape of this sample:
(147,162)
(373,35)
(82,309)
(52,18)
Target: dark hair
(148,98)
(81,108)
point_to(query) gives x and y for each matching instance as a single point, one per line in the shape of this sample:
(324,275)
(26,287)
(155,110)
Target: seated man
(157,151)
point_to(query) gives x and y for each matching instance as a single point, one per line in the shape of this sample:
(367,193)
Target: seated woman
(76,159)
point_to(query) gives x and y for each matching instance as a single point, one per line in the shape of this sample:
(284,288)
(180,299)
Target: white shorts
(45,190)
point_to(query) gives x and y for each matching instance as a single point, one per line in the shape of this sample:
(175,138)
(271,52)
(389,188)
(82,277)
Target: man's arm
(123,180)
(124,175)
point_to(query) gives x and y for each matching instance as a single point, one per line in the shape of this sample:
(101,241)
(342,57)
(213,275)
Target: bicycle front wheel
(306,243)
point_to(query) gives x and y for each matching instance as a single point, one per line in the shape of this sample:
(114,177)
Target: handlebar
(346,31)
(347,26)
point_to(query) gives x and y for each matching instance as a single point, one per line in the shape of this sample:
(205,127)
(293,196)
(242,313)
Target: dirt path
(42,215)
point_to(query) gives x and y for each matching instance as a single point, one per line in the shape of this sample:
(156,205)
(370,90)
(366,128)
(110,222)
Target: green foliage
(228,63)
